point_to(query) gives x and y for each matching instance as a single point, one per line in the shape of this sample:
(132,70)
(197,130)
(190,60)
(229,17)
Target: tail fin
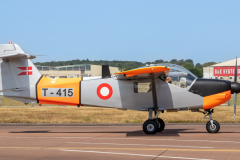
(18,75)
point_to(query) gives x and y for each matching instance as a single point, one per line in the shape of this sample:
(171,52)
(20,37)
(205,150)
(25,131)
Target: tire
(214,129)
(161,125)
(150,127)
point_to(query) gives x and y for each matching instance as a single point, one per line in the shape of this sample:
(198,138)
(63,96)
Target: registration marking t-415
(57,92)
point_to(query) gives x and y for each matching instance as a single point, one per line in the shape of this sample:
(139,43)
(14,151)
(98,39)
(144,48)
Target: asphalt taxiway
(190,142)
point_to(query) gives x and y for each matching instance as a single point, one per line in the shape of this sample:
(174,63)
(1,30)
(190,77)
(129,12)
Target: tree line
(196,69)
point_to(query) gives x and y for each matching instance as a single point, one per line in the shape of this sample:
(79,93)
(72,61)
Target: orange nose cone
(216,99)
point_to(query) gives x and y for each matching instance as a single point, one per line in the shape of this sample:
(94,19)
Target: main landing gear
(153,124)
(212,126)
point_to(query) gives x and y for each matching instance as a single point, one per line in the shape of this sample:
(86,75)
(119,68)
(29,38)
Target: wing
(142,72)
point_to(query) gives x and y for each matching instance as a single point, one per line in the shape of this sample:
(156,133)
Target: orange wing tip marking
(153,69)
(216,99)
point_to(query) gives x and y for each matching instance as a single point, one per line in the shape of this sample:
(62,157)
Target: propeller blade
(235,74)
(235,95)
(235,100)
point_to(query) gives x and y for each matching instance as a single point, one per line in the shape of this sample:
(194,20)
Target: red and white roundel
(104,91)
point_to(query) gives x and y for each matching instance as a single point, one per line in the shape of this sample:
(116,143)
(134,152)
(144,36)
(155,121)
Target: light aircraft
(140,89)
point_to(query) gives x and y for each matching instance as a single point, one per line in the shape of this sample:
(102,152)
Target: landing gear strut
(153,124)
(212,126)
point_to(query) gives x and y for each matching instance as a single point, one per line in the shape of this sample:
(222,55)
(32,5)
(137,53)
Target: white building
(72,71)
(224,70)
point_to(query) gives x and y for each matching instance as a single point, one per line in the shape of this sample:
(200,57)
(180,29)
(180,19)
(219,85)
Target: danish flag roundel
(104,91)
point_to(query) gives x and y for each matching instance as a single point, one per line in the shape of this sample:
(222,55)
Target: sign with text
(225,71)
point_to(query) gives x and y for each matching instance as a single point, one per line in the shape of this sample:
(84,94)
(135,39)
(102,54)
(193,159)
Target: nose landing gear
(153,124)
(212,126)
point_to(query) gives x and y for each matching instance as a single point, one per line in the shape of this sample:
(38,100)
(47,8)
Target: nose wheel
(212,126)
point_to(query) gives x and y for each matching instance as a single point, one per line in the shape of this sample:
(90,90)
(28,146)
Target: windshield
(180,76)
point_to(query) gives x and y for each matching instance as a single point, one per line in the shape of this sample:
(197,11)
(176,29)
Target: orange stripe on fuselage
(62,83)
(216,99)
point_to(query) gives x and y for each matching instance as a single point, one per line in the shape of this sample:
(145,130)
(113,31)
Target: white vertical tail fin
(18,75)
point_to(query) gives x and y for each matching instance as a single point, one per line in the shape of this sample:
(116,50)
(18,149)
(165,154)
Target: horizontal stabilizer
(17,56)
(13,51)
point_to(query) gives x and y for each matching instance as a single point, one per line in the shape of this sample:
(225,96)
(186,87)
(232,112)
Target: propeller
(235,94)
(235,88)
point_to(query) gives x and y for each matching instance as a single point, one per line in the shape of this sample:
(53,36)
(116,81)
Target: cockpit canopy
(180,76)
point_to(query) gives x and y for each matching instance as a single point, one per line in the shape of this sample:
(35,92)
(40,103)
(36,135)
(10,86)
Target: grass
(61,114)
(105,115)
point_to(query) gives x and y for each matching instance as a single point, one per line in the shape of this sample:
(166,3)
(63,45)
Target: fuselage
(114,93)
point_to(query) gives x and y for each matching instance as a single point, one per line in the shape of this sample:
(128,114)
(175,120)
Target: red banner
(225,71)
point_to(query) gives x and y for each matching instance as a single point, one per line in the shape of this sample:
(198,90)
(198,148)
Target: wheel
(213,129)
(161,125)
(150,127)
